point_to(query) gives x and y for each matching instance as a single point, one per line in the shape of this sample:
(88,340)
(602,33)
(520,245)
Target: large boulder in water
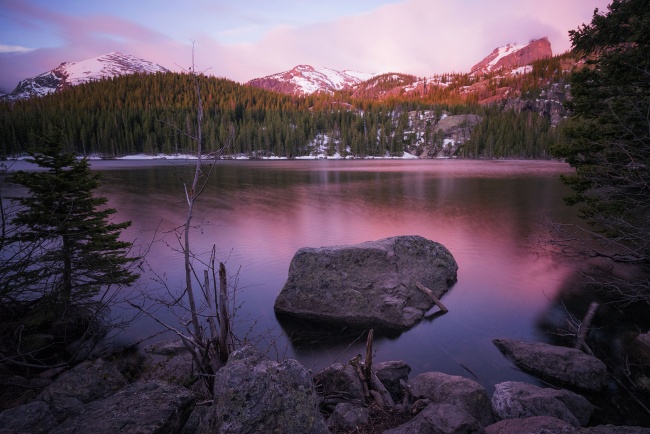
(372,284)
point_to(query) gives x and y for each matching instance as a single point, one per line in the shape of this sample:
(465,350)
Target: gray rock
(640,348)
(567,366)
(194,421)
(392,374)
(440,419)
(347,417)
(612,429)
(84,383)
(257,395)
(515,400)
(371,284)
(34,418)
(340,380)
(166,348)
(143,407)
(451,389)
(531,425)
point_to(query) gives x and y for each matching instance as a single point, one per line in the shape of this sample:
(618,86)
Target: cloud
(13,49)
(420,37)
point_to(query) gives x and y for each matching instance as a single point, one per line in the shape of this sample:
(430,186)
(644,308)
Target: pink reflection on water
(258,213)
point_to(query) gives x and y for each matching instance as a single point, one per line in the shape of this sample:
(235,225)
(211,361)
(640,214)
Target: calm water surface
(258,213)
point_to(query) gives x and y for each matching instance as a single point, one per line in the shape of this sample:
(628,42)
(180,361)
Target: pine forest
(154,114)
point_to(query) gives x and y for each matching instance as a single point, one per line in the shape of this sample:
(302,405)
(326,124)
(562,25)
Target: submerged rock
(372,284)
(566,366)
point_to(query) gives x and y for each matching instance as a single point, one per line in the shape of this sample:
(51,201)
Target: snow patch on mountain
(107,66)
(511,56)
(305,79)
(502,52)
(73,73)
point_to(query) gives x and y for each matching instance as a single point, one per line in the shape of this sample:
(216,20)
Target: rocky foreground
(256,395)
(389,283)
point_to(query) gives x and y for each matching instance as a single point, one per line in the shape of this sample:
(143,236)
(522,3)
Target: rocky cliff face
(550,103)
(512,56)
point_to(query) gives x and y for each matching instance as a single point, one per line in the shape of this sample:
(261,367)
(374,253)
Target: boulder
(531,425)
(440,418)
(84,383)
(515,400)
(367,285)
(340,380)
(567,366)
(34,418)
(166,348)
(613,429)
(640,348)
(256,395)
(393,375)
(347,417)
(451,389)
(142,407)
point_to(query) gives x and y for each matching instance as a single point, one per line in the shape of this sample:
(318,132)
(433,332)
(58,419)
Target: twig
(435,299)
(584,328)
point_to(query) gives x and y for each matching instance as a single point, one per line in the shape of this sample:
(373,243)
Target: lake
(489,214)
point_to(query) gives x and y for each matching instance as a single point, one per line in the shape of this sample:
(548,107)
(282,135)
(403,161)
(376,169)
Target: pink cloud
(420,37)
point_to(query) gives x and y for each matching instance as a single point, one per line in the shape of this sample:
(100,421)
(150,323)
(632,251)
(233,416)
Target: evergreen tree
(608,143)
(607,140)
(73,249)
(61,264)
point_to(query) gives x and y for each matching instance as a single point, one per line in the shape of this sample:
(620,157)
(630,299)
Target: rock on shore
(566,366)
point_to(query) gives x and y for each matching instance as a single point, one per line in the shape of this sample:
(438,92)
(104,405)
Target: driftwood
(435,299)
(372,386)
(368,362)
(584,328)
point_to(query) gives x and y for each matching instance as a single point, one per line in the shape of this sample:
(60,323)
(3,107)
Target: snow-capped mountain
(512,56)
(305,79)
(72,73)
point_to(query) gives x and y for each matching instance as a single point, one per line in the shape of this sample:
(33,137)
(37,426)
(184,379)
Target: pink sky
(255,38)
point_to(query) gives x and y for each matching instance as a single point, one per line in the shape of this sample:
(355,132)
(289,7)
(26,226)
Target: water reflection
(258,213)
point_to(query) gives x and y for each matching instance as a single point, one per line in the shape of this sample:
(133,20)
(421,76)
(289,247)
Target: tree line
(151,114)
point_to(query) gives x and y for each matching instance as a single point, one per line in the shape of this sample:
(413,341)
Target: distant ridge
(72,73)
(301,80)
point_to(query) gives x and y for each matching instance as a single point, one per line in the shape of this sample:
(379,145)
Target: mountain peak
(511,56)
(305,79)
(72,73)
